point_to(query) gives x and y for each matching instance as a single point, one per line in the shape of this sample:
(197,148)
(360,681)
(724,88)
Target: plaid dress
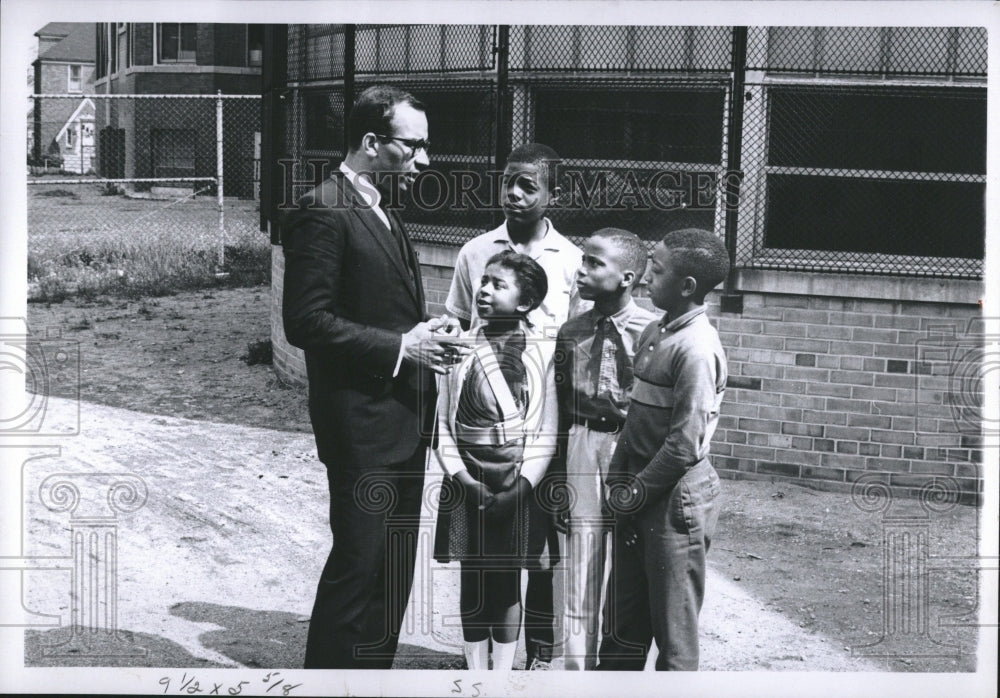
(463,531)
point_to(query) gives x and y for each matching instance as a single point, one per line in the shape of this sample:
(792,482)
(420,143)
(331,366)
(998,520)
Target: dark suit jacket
(348,297)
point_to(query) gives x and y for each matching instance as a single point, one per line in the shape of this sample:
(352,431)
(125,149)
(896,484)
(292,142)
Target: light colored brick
(786,301)
(800,373)
(863,334)
(852,348)
(828,332)
(824,417)
(817,346)
(862,392)
(761,425)
(797,457)
(854,319)
(896,351)
(784,329)
(851,433)
(809,317)
(781,386)
(829,389)
(840,460)
(900,322)
(754,452)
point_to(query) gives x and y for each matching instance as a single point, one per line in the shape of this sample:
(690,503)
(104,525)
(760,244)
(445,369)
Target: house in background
(170,137)
(63,128)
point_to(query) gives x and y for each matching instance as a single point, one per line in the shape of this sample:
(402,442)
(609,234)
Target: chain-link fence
(111,171)
(856,149)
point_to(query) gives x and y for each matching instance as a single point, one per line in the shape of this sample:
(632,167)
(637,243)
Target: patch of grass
(100,245)
(59,193)
(137,269)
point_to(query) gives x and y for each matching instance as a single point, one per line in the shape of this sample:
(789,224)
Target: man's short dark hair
(632,253)
(372,112)
(540,155)
(699,254)
(532,281)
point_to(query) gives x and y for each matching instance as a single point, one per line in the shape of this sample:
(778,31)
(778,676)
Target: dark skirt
(464,533)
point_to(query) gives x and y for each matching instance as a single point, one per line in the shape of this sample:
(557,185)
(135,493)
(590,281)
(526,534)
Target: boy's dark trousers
(658,583)
(539,617)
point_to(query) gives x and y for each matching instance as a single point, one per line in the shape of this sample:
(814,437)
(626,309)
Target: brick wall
(289,361)
(821,388)
(831,389)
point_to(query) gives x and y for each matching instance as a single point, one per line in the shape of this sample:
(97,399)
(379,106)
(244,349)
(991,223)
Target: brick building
(845,168)
(163,138)
(64,129)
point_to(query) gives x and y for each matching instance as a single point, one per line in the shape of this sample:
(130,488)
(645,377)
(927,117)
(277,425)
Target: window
(646,158)
(75,77)
(71,137)
(178,43)
(173,152)
(113,48)
(893,178)
(255,45)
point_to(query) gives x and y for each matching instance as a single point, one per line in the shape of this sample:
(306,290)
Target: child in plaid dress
(497,423)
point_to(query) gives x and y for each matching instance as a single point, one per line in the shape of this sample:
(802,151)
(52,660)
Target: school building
(844,167)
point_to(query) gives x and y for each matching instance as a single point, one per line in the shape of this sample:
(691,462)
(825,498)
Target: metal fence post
(220,189)
(503,112)
(349,70)
(732,301)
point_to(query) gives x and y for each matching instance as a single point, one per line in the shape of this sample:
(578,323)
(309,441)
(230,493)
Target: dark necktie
(397,232)
(606,330)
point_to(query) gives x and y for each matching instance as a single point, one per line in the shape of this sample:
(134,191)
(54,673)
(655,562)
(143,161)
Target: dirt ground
(806,560)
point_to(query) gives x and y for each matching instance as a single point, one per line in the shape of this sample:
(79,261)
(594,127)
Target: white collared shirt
(366,189)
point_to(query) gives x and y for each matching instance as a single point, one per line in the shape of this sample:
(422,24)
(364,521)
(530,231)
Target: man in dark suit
(353,300)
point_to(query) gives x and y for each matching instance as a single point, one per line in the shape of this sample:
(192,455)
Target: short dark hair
(632,252)
(372,112)
(699,254)
(531,279)
(541,155)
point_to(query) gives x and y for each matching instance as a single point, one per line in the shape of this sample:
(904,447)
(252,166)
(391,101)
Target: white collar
(364,186)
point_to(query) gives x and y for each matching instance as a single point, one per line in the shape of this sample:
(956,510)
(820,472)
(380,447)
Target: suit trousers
(657,585)
(365,585)
(587,544)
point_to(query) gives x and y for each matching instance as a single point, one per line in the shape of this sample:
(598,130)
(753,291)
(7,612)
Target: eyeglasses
(413,144)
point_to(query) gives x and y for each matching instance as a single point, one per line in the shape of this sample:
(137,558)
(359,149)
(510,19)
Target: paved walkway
(219,565)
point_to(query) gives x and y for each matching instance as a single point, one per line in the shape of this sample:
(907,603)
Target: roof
(56,29)
(79,42)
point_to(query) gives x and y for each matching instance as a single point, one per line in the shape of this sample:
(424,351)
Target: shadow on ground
(256,639)
(59,648)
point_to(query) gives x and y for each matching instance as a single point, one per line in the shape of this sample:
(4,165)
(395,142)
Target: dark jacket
(349,295)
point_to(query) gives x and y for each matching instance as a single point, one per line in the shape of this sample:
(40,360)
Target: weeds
(134,249)
(258,353)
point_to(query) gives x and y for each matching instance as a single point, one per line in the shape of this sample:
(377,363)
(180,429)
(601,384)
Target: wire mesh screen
(641,155)
(864,179)
(837,173)
(423,48)
(620,48)
(956,51)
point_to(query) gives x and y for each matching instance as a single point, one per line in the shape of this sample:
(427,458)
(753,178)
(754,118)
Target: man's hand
(430,344)
(506,503)
(475,492)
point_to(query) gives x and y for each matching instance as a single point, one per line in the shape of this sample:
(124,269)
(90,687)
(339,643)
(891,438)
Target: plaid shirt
(596,387)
